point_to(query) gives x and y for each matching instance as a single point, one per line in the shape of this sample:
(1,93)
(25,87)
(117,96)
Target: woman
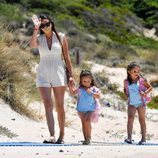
(51,73)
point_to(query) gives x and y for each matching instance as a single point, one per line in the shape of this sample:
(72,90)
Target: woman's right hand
(36,21)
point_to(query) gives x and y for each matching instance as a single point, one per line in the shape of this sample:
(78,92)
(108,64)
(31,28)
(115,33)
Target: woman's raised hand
(36,21)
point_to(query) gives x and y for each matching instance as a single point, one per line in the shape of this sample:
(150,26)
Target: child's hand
(142,94)
(89,91)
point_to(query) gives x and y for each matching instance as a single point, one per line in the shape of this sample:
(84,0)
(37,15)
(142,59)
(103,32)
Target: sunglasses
(45,25)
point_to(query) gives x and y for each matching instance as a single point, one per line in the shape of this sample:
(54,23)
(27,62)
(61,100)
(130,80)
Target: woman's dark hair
(44,16)
(129,68)
(85,73)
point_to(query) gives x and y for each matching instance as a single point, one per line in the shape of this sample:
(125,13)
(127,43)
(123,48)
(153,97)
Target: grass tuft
(6,132)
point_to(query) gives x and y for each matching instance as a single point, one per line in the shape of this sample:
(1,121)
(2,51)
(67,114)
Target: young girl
(136,100)
(87,104)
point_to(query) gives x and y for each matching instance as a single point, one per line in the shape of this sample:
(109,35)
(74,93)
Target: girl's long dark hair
(85,73)
(44,16)
(129,68)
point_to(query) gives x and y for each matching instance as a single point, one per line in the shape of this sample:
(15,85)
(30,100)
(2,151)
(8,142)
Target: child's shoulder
(125,81)
(142,79)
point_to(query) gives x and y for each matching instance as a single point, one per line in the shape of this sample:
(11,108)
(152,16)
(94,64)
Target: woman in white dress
(51,73)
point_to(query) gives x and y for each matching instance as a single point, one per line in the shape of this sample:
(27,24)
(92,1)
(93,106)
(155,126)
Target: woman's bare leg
(59,99)
(48,104)
(141,114)
(131,115)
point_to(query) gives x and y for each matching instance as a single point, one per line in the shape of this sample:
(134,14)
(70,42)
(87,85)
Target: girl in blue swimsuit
(87,104)
(136,100)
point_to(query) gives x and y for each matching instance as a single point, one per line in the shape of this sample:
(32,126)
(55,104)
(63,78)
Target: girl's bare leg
(84,130)
(131,115)
(88,124)
(141,114)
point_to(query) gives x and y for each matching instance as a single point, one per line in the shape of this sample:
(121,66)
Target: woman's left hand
(71,85)
(71,81)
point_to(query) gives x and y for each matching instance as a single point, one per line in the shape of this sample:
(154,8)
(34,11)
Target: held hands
(36,21)
(71,86)
(71,81)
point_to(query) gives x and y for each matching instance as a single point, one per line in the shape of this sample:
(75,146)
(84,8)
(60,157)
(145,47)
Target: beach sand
(107,135)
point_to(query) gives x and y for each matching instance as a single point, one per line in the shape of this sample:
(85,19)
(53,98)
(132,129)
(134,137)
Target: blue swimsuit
(86,101)
(134,95)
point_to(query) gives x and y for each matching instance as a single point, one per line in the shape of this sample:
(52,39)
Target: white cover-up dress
(51,68)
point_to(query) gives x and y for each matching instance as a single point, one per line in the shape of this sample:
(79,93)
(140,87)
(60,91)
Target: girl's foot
(129,141)
(86,142)
(50,140)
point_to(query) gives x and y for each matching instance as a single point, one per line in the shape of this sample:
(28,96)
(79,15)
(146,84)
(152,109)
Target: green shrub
(143,42)
(154,103)
(11,12)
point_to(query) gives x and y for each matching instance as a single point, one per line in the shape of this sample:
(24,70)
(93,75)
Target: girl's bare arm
(73,90)
(124,87)
(148,86)
(96,95)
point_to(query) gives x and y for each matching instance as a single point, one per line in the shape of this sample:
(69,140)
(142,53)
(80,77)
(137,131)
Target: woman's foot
(129,141)
(59,141)
(142,142)
(50,140)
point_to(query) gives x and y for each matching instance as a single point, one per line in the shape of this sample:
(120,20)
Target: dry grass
(16,78)
(6,132)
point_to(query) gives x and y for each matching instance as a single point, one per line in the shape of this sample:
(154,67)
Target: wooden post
(77,55)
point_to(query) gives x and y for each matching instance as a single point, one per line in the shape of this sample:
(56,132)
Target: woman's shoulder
(61,34)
